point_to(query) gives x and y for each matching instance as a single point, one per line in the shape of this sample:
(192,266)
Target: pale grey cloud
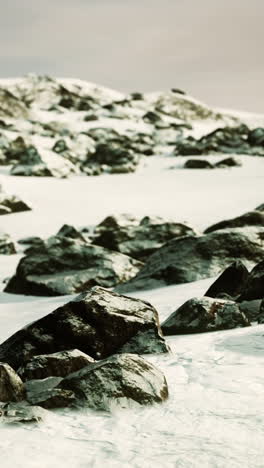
(212,48)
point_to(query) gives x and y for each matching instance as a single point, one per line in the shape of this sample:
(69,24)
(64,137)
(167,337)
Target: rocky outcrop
(57,365)
(137,238)
(37,161)
(227,140)
(7,246)
(252,218)
(204,314)
(68,266)
(11,385)
(192,258)
(230,282)
(11,106)
(113,159)
(254,286)
(121,380)
(98,323)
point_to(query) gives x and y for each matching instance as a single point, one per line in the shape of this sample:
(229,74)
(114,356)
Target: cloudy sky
(211,48)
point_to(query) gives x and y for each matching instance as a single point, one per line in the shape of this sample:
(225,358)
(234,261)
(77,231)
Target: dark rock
(254,287)
(177,91)
(36,161)
(252,218)
(68,266)
(152,117)
(70,231)
(251,309)
(114,158)
(198,164)
(192,258)
(204,314)
(261,312)
(124,380)
(34,240)
(11,385)
(12,203)
(256,136)
(137,96)
(137,238)
(227,140)
(57,365)
(11,106)
(45,393)
(228,162)
(230,282)
(7,246)
(98,323)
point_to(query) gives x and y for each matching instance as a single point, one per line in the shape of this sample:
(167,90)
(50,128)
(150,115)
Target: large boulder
(137,238)
(11,385)
(252,218)
(7,246)
(230,282)
(193,258)
(63,266)
(204,314)
(124,380)
(56,364)
(254,286)
(98,322)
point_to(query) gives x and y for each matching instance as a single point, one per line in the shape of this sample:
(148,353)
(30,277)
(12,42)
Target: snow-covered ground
(215,415)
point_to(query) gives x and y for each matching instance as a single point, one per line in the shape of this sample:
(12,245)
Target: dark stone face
(99,323)
(64,265)
(204,314)
(192,258)
(254,287)
(230,282)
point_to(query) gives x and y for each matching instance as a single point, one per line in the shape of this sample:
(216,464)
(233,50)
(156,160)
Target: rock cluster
(227,140)
(138,238)
(53,359)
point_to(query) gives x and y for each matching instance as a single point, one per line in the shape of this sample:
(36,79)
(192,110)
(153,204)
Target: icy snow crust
(214,417)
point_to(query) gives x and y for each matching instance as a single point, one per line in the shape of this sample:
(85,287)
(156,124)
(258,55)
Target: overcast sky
(211,48)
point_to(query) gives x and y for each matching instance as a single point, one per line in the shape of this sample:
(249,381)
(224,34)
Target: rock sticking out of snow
(98,323)
(204,314)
